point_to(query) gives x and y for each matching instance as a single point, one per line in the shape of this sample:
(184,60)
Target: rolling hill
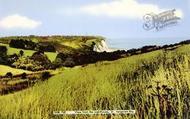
(66,44)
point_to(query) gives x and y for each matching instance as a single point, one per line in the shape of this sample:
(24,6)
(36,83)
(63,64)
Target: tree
(3,50)
(23,44)
(46,48)
(41,58)
(21,53)
(3,55)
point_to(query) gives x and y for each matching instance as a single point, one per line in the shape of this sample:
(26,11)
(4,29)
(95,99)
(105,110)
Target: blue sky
(120,21)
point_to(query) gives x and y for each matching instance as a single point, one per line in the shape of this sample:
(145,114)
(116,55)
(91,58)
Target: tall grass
(155,84)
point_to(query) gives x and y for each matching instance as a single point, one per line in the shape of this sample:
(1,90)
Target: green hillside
(11,51)
(66,44)
(155,84)
(4,69)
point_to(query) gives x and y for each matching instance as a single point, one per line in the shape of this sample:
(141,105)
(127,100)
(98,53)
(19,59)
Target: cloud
(123,8)
(18,21)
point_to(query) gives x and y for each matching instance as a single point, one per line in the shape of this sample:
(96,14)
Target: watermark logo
(161,20)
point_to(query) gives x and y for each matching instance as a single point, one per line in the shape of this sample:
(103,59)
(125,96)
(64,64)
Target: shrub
(57,63)
(27,64)
(21,53)
(23,75)
(46,48)
(9,75)
(69,62)
(12,58)
(45,75)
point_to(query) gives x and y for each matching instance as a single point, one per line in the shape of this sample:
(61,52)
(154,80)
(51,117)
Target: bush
(12,58)
(21,53)
(69,62)
(28,64)
(46,48)
(23,75)
(9,75)
(45,75)
(57,63)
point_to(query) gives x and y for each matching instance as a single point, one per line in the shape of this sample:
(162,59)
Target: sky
(119,21)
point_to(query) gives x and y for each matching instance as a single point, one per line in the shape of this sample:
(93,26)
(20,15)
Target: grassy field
(4,69)
(51,55)
(155,84)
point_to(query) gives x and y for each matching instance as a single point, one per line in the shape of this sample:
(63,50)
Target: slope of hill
(66,44)
(11,51)
(155,84)
(4,69)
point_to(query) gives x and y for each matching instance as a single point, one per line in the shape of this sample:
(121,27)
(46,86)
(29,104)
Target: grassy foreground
(155,84)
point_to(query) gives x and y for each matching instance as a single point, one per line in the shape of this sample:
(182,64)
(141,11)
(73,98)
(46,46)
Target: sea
(129,43)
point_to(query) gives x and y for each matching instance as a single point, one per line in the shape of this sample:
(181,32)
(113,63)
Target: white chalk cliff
(101,47)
